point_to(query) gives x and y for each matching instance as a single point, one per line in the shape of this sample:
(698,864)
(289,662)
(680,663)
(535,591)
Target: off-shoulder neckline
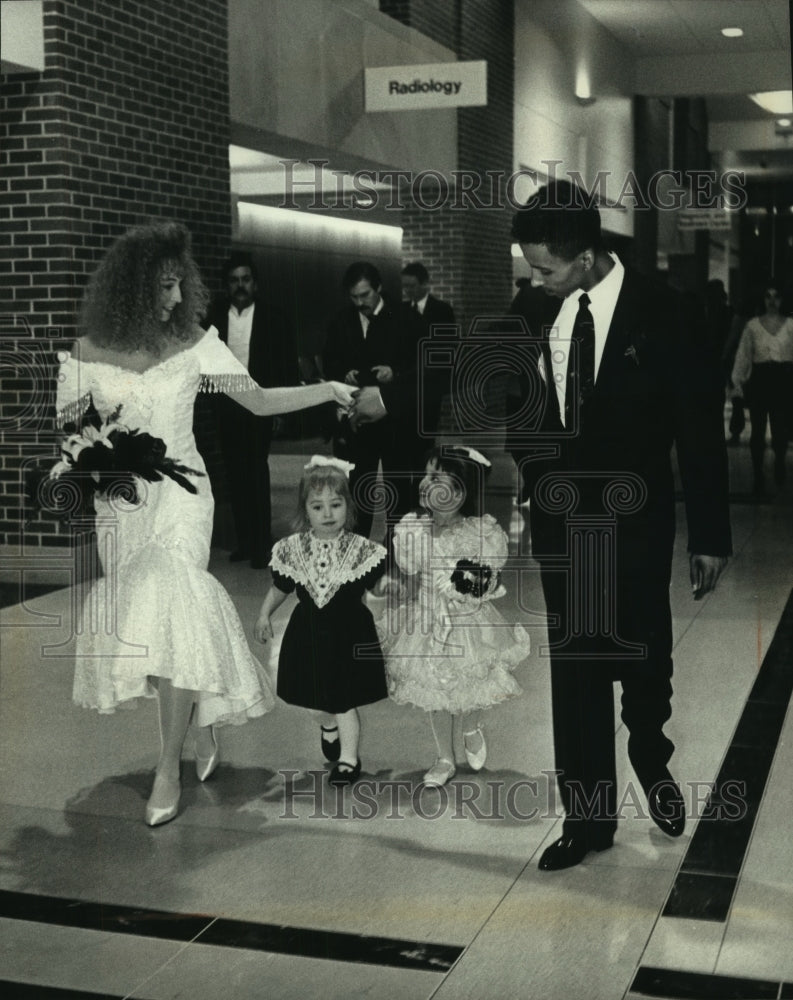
(145,371)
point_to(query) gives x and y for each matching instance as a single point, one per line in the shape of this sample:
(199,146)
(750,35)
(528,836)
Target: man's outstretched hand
(367,406)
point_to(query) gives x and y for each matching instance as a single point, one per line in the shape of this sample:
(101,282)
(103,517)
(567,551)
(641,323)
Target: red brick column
(127,123)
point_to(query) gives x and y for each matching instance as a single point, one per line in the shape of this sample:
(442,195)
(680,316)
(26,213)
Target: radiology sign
(431,85)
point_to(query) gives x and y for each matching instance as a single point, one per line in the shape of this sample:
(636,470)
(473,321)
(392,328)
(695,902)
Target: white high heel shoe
(163,804)
(205,766)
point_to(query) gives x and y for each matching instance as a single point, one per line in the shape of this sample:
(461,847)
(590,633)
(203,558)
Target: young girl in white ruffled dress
(448,650)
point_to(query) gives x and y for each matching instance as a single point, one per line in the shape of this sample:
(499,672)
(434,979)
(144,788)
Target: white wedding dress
(157,612)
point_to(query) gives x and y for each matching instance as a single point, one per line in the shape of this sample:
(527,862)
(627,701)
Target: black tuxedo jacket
(657,387)
(423,391)
(391,339)
(272,359)
(436,311)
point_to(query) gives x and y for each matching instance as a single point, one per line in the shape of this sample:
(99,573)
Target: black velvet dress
(330,656)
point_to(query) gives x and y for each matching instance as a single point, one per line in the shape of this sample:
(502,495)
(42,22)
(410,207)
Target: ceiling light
(583,87)
(784,122)
(777,102)
(732,32)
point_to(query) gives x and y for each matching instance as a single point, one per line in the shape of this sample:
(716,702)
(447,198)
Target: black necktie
(581,364)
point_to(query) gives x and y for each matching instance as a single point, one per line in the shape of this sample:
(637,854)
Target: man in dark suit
(416,289)
(258,334)
(372,344)
(625,373)
(432,312)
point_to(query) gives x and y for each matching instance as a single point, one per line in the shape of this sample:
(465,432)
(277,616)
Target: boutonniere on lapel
(633,354)
(636,343)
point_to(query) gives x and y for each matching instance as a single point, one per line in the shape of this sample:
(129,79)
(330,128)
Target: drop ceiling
(684,38)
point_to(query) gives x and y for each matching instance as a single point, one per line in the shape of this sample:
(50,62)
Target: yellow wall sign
(430,85)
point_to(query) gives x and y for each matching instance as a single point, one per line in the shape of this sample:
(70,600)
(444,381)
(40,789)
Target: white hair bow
(318,461)
(474,455)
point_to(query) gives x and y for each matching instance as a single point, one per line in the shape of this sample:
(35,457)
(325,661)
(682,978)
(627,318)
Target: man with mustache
(260,337)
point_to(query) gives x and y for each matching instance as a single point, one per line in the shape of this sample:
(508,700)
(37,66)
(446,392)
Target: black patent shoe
(330,748)
(348,776)
(667,808)
(569,851)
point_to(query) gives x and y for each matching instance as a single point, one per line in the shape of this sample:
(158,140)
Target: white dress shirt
(602,302)
(365,320)
(240,326)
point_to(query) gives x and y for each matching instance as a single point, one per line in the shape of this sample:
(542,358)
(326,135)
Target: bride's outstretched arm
(269,402)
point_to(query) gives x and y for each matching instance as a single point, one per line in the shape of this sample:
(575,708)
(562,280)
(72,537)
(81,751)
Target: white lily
(59,468)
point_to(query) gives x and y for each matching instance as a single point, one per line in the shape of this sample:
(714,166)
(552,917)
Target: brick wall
(127,122)
(467,250)
(438,21)
(435,239)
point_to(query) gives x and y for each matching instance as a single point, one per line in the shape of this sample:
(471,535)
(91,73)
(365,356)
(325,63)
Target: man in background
(371,344)
(431,312)
(260,337)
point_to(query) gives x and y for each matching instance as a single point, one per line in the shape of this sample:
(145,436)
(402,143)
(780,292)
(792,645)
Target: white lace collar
(323,565)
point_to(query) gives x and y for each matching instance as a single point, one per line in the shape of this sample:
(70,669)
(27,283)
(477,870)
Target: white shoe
(204,766)
(163,803)
(439,773)
(475,758)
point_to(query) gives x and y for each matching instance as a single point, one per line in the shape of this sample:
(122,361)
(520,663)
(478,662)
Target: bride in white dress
(157,622)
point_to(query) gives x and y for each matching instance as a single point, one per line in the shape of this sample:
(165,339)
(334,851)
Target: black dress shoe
(348,776)
(667,808)
(330,748)
(239,555)
(569,851)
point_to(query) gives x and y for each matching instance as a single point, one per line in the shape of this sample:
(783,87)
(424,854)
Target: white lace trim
(71,412)
(227,382)
(322,566)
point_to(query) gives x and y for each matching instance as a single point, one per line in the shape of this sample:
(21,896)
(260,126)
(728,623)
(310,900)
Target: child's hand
(389,586)
(263,630)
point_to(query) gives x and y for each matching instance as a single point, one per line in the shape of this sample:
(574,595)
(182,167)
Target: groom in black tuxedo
(624,373)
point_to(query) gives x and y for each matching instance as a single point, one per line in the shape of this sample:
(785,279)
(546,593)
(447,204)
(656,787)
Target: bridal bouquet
(102,458)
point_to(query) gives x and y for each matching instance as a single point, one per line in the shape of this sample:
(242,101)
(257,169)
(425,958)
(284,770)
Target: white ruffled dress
(157,611)
(448,647)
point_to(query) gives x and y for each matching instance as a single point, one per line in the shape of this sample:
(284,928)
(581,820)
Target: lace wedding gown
(157,612)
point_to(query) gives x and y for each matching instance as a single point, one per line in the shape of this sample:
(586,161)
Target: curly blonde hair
(121,305)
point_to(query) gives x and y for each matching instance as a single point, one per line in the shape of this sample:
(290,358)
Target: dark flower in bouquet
(469,577)
(103,458)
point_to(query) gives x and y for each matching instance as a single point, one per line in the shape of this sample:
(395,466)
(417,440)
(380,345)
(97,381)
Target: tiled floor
(269,884)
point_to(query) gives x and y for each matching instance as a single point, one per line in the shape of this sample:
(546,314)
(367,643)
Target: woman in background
(765,355)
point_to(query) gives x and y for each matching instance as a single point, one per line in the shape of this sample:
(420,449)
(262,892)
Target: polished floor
(271,884)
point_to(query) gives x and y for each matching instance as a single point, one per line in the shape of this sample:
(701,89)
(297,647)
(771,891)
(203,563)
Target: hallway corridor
(270,883)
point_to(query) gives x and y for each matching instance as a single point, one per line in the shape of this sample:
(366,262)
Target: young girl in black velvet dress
(330,659)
